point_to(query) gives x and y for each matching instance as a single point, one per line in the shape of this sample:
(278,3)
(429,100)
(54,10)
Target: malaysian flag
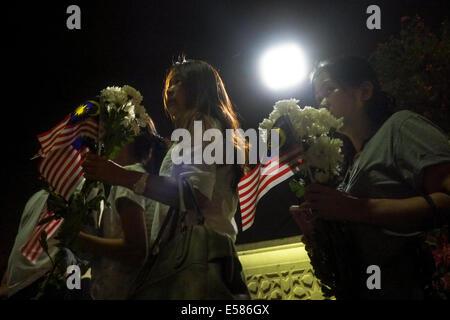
(32,248)
(63,149)
(62,167)
(253,186)
(78,123)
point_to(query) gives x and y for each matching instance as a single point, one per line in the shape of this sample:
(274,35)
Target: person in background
(397,184)
(23,278)
(126,224)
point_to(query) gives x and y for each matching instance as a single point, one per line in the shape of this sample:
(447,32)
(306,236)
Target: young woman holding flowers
(126,224)
(193,91)
(398,182)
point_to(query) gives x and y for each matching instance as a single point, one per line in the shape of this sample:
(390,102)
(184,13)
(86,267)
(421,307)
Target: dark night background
(49,69)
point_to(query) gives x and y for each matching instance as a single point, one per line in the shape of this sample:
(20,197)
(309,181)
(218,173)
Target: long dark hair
(207,99)
(352,71)
(149,148)
(206,94)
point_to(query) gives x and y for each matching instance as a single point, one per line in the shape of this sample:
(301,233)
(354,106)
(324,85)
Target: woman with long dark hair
(193,91)
(397,184)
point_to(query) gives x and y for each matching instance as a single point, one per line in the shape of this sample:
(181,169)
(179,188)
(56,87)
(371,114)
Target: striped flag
(62,150)
(253,186)
(62,167)
(32,248)
(73,126)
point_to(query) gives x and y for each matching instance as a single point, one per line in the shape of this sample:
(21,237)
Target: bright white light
(283,67)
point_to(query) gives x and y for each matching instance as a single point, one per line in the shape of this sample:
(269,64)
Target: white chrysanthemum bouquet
(312,129)
(122,117)
(321,163)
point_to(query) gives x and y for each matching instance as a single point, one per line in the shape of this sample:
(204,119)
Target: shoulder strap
(186,185)
(175,217)
(153,250)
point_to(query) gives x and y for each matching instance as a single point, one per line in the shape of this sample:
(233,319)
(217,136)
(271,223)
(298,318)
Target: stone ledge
(266,245)
(279,269)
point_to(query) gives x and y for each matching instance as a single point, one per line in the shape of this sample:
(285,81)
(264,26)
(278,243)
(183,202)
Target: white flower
(141,116)
(307,122)
(126,121)
(311,127)
(265,127)
(121,108)
(325,154)
(129,100)
(288,107)
(135,95)
(113,95)
(135,128)
(109,107)
(129,108)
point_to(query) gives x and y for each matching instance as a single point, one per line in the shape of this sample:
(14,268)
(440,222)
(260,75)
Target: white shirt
(113,278)
(212,181)
(20,272)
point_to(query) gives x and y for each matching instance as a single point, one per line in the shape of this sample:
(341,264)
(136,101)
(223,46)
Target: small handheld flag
(62,167)
(62,148)
(253,186)
(32,249)
(78,123)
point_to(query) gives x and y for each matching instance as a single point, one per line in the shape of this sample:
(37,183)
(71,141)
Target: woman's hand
(305,221)
(104,170)
(331,204)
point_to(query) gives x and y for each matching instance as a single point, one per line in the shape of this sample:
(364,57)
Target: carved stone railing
(279,269)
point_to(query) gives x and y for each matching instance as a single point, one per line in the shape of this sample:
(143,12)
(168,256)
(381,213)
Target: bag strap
(177,215)
(186,185)
(153,252)
(173,212)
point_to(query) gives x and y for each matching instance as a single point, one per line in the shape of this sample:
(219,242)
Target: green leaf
(298,188)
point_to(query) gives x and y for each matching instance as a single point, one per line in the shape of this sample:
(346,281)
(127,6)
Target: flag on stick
(62,167)
(62,150)
(253,186)
(32,248)
(79,123)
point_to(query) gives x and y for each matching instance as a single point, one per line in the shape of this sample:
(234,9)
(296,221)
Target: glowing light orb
(283,67)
